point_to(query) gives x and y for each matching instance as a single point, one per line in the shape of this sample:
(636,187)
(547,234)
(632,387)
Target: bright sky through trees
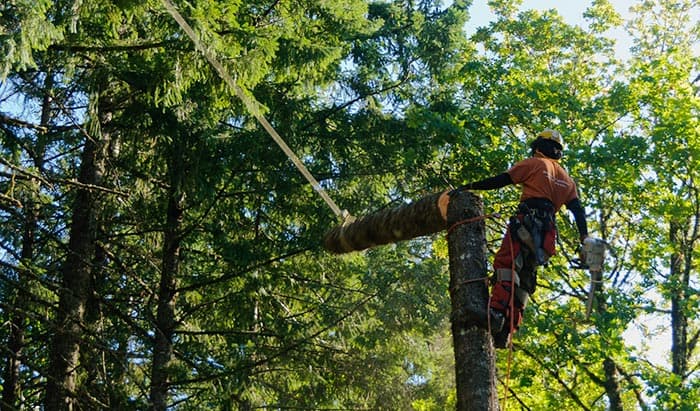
(572,11)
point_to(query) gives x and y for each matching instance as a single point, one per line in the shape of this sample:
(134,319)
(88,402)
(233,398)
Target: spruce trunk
(166,322)
(475,362)
(62,388)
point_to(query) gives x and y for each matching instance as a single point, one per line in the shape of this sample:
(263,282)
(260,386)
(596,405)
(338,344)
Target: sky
(570,10)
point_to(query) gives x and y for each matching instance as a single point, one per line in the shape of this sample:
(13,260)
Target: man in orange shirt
(530,239)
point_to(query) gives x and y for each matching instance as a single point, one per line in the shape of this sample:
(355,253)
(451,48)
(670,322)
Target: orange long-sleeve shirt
(542,177)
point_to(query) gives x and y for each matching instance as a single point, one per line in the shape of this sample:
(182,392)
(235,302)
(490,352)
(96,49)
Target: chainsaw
(594,255)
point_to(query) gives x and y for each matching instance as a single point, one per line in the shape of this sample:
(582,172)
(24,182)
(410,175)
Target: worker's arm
(490,183)
(580,216)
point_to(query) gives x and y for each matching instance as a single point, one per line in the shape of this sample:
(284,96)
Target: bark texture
(612,385)
(475,362)
(679,279)
(64,365)
(61,389)
(400,223)
(166,321)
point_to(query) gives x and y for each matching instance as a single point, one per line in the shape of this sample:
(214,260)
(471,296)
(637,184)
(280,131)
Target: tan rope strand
(252,107)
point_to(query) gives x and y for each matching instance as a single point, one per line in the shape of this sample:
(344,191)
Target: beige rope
(253,107)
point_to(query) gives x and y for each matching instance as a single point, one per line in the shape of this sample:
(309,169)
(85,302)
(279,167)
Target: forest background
(159,251)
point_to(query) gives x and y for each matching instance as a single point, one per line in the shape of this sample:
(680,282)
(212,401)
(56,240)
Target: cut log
(423,217)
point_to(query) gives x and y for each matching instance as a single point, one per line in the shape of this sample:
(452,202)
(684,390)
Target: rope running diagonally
(252,106)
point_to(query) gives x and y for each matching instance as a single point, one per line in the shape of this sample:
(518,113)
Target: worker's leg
(507,263)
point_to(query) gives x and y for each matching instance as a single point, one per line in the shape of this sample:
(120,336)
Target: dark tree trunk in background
(166,321)
(11,386)
(679,283)
(612,385)
(62,382)
(475,362)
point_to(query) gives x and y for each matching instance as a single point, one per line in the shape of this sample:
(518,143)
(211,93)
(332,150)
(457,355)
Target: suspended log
(423,217)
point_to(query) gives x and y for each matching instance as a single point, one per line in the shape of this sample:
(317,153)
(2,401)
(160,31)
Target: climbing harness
(531,226)
(253,107)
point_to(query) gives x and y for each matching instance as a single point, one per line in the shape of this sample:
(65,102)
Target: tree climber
(530,238)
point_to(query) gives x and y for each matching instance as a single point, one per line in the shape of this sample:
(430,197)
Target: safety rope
(511,307)
(253,107)
(471,220)
(475,280)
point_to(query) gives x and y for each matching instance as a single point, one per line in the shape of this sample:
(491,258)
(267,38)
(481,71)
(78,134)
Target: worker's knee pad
(500,301)
(500,296)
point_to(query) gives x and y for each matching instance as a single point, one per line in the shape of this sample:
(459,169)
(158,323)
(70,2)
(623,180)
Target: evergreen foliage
(158,251)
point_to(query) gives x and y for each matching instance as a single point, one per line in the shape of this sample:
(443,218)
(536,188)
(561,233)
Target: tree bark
(679,320)
(61,389)
(475,363)
(167,296)
(612,385)
(11,386)
(416,219)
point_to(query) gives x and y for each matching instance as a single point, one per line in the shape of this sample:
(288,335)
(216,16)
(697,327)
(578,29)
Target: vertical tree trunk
(97,383)
(475,363)
(165,318)
(11,376)
(11,386)
(612,385)
(679,321)
(61,389)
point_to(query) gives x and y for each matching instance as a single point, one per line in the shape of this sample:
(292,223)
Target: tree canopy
(159,251)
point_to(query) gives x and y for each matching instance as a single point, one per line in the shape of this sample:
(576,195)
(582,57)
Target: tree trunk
(165,318)
(679,320)
(97,383)
(61,389)
(475,363)
(420,218)
(11,386)
(612,385)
